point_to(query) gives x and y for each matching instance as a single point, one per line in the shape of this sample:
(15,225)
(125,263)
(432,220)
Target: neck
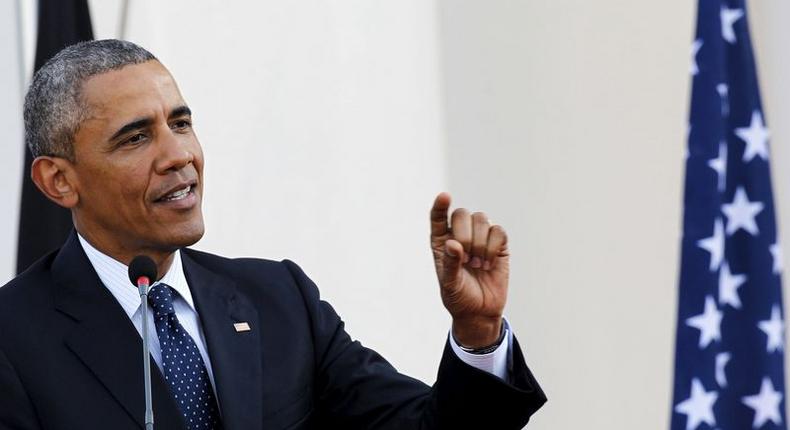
(163,259)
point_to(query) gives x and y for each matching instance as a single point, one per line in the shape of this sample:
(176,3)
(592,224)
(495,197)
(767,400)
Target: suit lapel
(105,340)
(235,355)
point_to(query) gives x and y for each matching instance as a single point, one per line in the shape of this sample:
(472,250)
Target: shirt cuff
(494,362)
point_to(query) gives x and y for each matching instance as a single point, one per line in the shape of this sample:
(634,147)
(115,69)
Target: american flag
(729,357)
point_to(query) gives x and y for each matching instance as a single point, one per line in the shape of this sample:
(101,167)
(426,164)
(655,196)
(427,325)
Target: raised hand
(472,264)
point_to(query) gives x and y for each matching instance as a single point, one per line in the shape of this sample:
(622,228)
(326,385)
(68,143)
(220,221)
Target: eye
(181,124)
(136,139)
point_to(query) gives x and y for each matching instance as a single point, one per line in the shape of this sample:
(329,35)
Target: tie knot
(160,297)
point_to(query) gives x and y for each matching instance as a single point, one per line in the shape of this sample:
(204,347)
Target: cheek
(119,188)
(132,194)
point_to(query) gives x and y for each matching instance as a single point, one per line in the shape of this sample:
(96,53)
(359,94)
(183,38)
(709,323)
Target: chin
(185,236)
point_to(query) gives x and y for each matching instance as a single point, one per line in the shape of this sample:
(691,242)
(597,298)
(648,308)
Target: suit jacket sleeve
(357,388)
(16,411)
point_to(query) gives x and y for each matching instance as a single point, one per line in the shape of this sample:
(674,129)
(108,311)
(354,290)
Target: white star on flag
(695,47)
(774,328)
(728,18)
(719,164)
(778,256)
(741,213)
(728,286)
(722,359)
(756,137)
(765,404)
(698,408)
(708,323)
(714,245)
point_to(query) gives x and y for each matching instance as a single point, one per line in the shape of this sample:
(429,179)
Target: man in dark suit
(236,343)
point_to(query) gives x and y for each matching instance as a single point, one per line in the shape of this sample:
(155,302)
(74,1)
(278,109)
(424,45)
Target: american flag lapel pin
(241,326)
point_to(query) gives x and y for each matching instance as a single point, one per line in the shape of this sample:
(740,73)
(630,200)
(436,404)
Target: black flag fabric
(43,225)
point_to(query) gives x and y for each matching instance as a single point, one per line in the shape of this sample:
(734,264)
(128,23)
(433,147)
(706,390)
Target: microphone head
(142,265)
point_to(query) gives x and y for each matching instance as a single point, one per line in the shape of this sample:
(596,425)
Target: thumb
(453,262)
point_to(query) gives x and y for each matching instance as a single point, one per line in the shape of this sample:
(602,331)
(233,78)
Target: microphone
(142,267)
(142,273)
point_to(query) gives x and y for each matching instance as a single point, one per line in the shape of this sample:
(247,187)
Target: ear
(54,177)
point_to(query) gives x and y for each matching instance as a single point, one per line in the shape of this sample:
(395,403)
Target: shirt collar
(115,277)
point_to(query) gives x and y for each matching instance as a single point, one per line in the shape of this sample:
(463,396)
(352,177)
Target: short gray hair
(53,107)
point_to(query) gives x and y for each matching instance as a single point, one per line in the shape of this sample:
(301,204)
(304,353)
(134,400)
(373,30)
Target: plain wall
(329,126)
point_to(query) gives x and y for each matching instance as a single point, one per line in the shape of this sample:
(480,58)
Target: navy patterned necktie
(185,371)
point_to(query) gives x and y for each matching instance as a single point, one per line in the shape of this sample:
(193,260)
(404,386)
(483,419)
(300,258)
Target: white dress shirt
(495,362)
(115,277)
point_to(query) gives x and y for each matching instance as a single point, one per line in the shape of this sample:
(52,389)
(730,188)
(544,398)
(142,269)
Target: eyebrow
(180,111)
(145,122)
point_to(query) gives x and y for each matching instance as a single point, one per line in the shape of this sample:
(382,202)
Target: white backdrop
(329,126)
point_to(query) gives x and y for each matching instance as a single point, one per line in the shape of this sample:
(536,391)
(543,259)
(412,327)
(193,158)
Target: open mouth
(178,194)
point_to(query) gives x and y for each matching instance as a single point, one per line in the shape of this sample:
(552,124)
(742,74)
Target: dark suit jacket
(70,358)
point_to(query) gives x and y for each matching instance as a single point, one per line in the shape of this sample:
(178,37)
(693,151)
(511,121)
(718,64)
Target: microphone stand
(142,285)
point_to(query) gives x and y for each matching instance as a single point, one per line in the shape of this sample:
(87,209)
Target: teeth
(178,195)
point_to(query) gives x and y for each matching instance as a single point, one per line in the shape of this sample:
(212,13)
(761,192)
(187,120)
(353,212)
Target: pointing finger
(439,214)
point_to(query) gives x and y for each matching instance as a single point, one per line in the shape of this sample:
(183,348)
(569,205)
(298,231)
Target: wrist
(478,334)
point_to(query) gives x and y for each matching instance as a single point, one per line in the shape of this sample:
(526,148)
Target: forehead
(134,90)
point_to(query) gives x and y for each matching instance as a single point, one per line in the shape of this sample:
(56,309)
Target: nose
(174,152)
